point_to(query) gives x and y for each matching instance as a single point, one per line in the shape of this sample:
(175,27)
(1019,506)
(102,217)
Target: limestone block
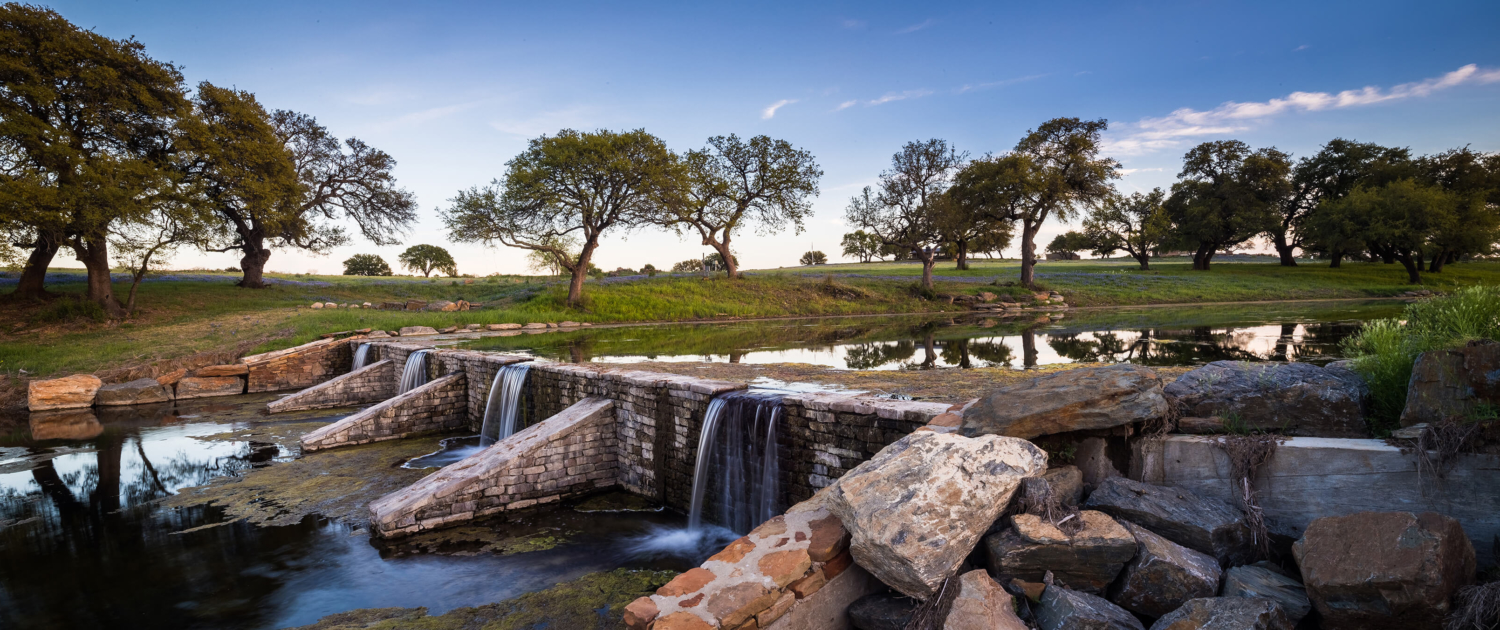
(69,392)
(208,386)
(137,392)
(1290,398)
(1071,400)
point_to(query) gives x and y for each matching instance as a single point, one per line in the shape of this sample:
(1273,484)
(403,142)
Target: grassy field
(189,312)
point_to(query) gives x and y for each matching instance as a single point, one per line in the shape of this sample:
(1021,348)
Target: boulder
(882,611)
(206,386)
(410,331)
(1213,613)
(170,378)
(981,604)
(1289,398)
(1199,523)
(1384,569)
(415,305)
(1071,400)
(68,392)
(1450,382)
(230,369)
(441,305)
(1268,581)
(379,334)
(1094,464)
(535,326)
(1163,576)
(65,424)
(1066,483)
(1086,561)
(137,392)
(450,329)
(916,509)
(330,305)
(1063,609)
(316,305)
(504,326)
(474,327)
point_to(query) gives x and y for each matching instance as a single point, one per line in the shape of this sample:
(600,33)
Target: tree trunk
(731,266)
(1436,264)
(1202,256)
(1145,259)
(580,271)
(1336,260)
(34,275)
(963,255)
(1028,254)
(93,252)
(929,260)
(1284,251)
(1413,269)
(253,263)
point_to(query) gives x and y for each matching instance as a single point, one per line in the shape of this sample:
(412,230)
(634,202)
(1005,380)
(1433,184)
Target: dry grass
(1247,455)
(1475,608)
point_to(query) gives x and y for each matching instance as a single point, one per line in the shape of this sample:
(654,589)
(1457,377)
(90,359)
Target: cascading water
(361,356)
(414,375)
(737,461)
(502,410)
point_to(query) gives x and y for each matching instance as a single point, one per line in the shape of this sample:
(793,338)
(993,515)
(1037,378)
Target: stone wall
(480,367)
(570,453)
(370,384)
(303,366)
(828,434)
(439,405)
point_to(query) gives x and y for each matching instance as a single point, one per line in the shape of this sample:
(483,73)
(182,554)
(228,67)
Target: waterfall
(361,355)
(737,461)
(414,375)
(502,410)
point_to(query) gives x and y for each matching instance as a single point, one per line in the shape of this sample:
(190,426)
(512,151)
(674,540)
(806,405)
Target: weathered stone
(206,386)
(568,324)
(1213,613)
(882,611)
(65,424)
(783,603)
(441,305)
(68,392)
(534,326)
(1086,561)
(1066,483)
(808,585)
(1384,569)
(686,582)
(783,567)
(736,604)
(1202,524)
(317,305)
(230,369)
(415,305)
(1063,609)
(137,392)
(681,621)
(1265,580)
(1290,398)
(330,305)
(170,378)
(411,331)
(504,326)
(450,329)
(917,508)
(1094,463)
(640,613)
(379,334)
(981,604)
(1446,383)
(1163,576)
(828,538)
(1070,400)
(735,551)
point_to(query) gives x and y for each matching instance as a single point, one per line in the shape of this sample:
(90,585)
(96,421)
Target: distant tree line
(105,152)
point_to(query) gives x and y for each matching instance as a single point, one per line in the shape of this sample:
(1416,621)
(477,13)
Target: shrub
(814,257)
(68,309)
(649,269)
(366,265)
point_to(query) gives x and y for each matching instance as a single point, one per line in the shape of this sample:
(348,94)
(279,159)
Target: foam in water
(361,355)
(414,375)
(502,410)
(737,461)
(694,544)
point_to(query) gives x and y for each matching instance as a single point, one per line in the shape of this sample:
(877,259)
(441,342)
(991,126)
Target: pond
(1173,335)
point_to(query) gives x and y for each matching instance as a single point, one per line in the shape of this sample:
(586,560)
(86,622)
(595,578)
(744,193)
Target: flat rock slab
(140,391)
(230,369)
(918,507)
(981,604)
(1086,561)
(1163,576)
(1074,400)
(414,331)
(1289,398)
(1264,581)
(207,386)
(1213,613)
(68,392)
(1207,525)
(1063,609)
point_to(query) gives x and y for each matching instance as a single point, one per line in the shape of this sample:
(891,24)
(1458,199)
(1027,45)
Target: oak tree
(427,259)
(903,213)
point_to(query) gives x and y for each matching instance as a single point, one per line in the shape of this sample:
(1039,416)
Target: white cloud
(1127,171)
(1300,48)
(547,122)
(769,112)
(845,105)
(970,87)
(1168,131)
(899,96)
(917,27)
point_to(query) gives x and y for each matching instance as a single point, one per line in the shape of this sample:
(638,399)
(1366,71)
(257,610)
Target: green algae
(491,536)
(617,501)
(596,600)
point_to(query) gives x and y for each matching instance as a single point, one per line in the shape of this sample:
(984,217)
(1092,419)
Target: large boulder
(1290,398)
(1199,523)
(1066,484)
(206,386)
(1446,383)
(1384,569)
(1213,613)
(1268,581)
(68,392)
(1063,609)
(1086,561)
(981,604)
(1071,400)
(1163,576)
(916,509)
(140,391)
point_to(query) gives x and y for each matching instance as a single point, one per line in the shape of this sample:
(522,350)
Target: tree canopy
(1226,194)
(903,212)
(366,265)
(1137,224)
(427,259)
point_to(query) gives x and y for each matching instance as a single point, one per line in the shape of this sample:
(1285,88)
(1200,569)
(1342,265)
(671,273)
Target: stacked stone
(436,406)
(829,434)
(372,383)
(303,366)
(481,368)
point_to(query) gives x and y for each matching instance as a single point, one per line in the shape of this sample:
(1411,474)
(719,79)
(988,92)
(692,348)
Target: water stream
(502,410)
(361,356)
(414,375)
(738,463)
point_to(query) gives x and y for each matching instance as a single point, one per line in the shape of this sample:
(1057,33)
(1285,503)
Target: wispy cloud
(770,112)
(1128,171)
(1299,48)
(852,24)
(845,105)
(917,27)
(577,117)
(899,96)
(1150,134)
(429,114)
(970,87)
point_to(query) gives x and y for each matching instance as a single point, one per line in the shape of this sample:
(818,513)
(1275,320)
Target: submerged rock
(1199,523)
(1384,569)
(1289,398)
(1075,400)
(68,392)
(1264,580)
(1212,613)
(981,604)
(916,509)
(1163,576)
(1063,609)
(1086,561)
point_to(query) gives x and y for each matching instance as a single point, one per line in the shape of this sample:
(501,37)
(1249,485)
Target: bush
(1385,350)
(649,269)
(68,309)
(366,265)
(691,265)
(814,257)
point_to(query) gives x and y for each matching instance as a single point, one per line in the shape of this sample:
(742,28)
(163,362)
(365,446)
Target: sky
(454,90)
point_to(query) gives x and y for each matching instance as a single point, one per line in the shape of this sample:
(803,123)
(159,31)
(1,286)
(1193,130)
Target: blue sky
(453,90)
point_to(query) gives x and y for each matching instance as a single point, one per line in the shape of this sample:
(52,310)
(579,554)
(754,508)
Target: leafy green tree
(903,213)
(1401,217)
(691,265)
(813,257)
(1226,194)
(1474,227)
(649,269)
(588,184)
(548,260)
(964,228)
(1326,176)
(861,245)
(427,259)
(1069,243)
(1137,224)
(366,265)
(732,184)
(88,126)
